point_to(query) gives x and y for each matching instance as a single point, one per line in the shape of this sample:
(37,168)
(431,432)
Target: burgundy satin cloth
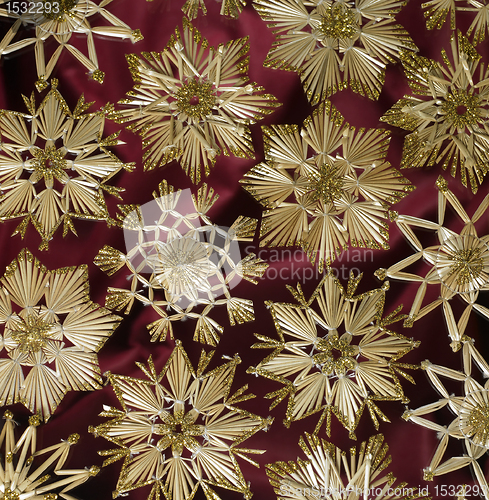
(411,446)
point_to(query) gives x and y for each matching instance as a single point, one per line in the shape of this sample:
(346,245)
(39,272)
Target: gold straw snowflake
(182,264)
(471,422)
(192,102)
(180,429)
(55,165)
(327,473)
(458,263)
(447,113)
(230,8)
(50,336)
(335,44)
(437,11)
(339,360)
(28,472)
(325,186)
(60,19)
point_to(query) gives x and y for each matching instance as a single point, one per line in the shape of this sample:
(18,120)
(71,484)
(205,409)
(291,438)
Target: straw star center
(32,333)
(49,163)
(479,421)
(56,9)
(467,265)
(337,354)
(10,495)
(327,184)
(461,108)
(196,99)
(339,22)
(179,431)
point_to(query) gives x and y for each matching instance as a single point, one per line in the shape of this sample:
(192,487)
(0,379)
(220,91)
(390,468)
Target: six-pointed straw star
(28,472)
(55,165)
(180,429)
(333,44)
(325,186)
(51,333)
(192,102)
(447,113)
(339,360)
(471,423)
(60,19)
(458,262)
(327,473)
(182,264)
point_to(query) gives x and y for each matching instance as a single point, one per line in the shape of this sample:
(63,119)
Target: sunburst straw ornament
(447,114)
(181,429)
(182,264)
(331,474)
(50,334)
(230,8)
(458,262)
(437,11)
(193,102)
(55,165)
(335,44)
(326,186)
(335,354)
(29,472)
(471,422)
(61,19)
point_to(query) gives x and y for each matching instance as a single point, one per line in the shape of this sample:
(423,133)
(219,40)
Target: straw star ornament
(326,186)
(447,113)
(55,165)
(29,472)
(457,262)
(50,334)
(471,410)
(335,44)
(182,264)
(59,20)
(193,102)
(332,474)
(334,355)
(180,430)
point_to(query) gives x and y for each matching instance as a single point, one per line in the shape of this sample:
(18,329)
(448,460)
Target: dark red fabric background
(411,446)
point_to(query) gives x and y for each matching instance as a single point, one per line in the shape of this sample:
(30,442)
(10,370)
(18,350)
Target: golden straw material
(457,262)
(471,410)
(59,21)
(326,186)
(180,430)
(446,114)
(29,472)
(55,165)
(333,474)
(335,354)
(51,333)
(335,44)
(437,11)
(193,102)
(229,8)
(182,264)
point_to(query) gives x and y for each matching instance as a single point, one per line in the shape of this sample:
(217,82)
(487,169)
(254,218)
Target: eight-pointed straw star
(437,11)
(59,19)
(51,333)
(333,474)
(447,113)
(333,44)
(337,357)
(180,429)
(458,263)
(192,102)
(471,422)
(55,165)
(326,186)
